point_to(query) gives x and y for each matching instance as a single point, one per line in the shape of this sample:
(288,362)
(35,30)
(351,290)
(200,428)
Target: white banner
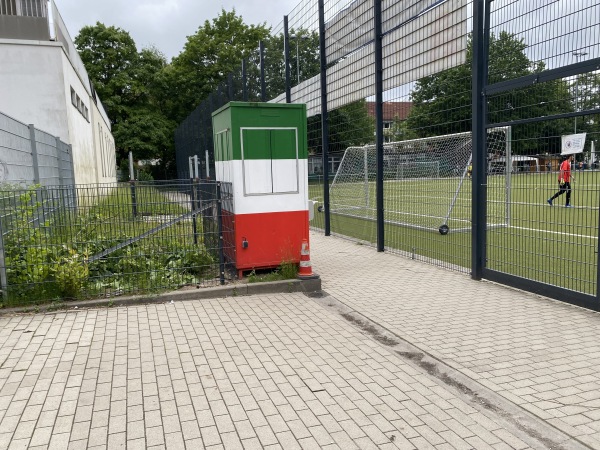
(572,143)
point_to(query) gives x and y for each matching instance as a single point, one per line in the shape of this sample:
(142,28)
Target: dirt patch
(371,330)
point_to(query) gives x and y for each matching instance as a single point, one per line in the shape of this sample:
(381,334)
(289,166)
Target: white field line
(561,233)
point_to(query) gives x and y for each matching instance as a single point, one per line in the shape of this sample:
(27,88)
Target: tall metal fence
(121,239)
(438,128)
(31,156)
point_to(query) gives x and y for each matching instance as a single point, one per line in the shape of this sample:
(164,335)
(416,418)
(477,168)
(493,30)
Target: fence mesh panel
(541,84)
(102,241)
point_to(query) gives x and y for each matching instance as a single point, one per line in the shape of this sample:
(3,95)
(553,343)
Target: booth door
(270,160)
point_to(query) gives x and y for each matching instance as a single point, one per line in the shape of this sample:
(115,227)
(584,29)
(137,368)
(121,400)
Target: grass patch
(286,271)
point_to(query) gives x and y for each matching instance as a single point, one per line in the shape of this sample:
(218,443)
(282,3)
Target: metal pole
(244,81)
(132,185)
(479,141)
(379,124)
(34,155)
(297,60)
(577,55)
(220,225)
(3,277)
(366,180)
(74,186)
(263,87)
(324,116)
(59,161)
(597,264)
(131,172)
(286,57)
(194,177)
(207,165)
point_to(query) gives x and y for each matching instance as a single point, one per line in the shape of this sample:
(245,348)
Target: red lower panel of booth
(271,238)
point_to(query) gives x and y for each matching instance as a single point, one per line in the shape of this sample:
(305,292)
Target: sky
(166,24)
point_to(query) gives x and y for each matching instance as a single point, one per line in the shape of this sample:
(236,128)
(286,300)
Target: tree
(442,102)
(349,126)
(110,57)
(306,63)
(216,49)
(129,85)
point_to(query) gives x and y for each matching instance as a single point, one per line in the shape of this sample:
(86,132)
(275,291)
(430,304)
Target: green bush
(70,274)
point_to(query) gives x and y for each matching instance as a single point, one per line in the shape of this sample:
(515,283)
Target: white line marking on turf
(562,233)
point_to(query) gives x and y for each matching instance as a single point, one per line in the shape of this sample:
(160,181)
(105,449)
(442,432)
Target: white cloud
(166,23)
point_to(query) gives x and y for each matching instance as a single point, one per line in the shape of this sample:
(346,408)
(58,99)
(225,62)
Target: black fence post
(478,236)
(263,86)
(193,181)
(132,186)
(379,123)
(3,278)
(286,57)
(324,116)
(220,230)
(244,81)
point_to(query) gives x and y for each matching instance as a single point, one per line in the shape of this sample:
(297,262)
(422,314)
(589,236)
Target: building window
(33,8)
(78,103)
(8,8)
(30,8)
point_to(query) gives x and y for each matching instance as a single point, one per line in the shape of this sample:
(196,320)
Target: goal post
(426,182)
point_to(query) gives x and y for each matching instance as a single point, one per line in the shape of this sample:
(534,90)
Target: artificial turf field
(526,236)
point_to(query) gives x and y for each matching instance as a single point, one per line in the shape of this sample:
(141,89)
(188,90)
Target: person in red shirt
(564,182)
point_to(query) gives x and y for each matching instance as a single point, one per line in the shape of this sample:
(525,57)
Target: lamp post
(577,55)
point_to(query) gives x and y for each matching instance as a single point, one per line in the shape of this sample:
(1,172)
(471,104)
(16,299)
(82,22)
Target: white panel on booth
(285,176)
(257,177)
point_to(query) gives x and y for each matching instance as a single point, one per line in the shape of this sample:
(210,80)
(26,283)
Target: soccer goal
(427,182)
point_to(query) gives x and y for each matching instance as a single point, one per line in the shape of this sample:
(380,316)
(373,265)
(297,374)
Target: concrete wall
(32,87)
(36,78)
(81,135)
(104,143)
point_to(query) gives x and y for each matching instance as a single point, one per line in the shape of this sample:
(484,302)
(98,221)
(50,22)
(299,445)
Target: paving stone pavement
(288,371)
(540,354)
(272,371)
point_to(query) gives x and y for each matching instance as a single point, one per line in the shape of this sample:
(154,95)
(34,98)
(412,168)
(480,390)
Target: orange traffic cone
(305,269)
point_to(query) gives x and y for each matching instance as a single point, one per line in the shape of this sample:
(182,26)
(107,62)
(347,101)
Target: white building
(43,82)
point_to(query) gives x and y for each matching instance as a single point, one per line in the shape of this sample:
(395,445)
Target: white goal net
(427,182)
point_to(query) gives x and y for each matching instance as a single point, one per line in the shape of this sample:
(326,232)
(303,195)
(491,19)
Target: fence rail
(119,239)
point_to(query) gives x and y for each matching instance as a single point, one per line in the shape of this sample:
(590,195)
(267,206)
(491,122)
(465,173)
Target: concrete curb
(308,285)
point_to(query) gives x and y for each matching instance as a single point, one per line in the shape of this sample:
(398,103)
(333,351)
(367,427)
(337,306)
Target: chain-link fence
(121,239)
(403,158)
